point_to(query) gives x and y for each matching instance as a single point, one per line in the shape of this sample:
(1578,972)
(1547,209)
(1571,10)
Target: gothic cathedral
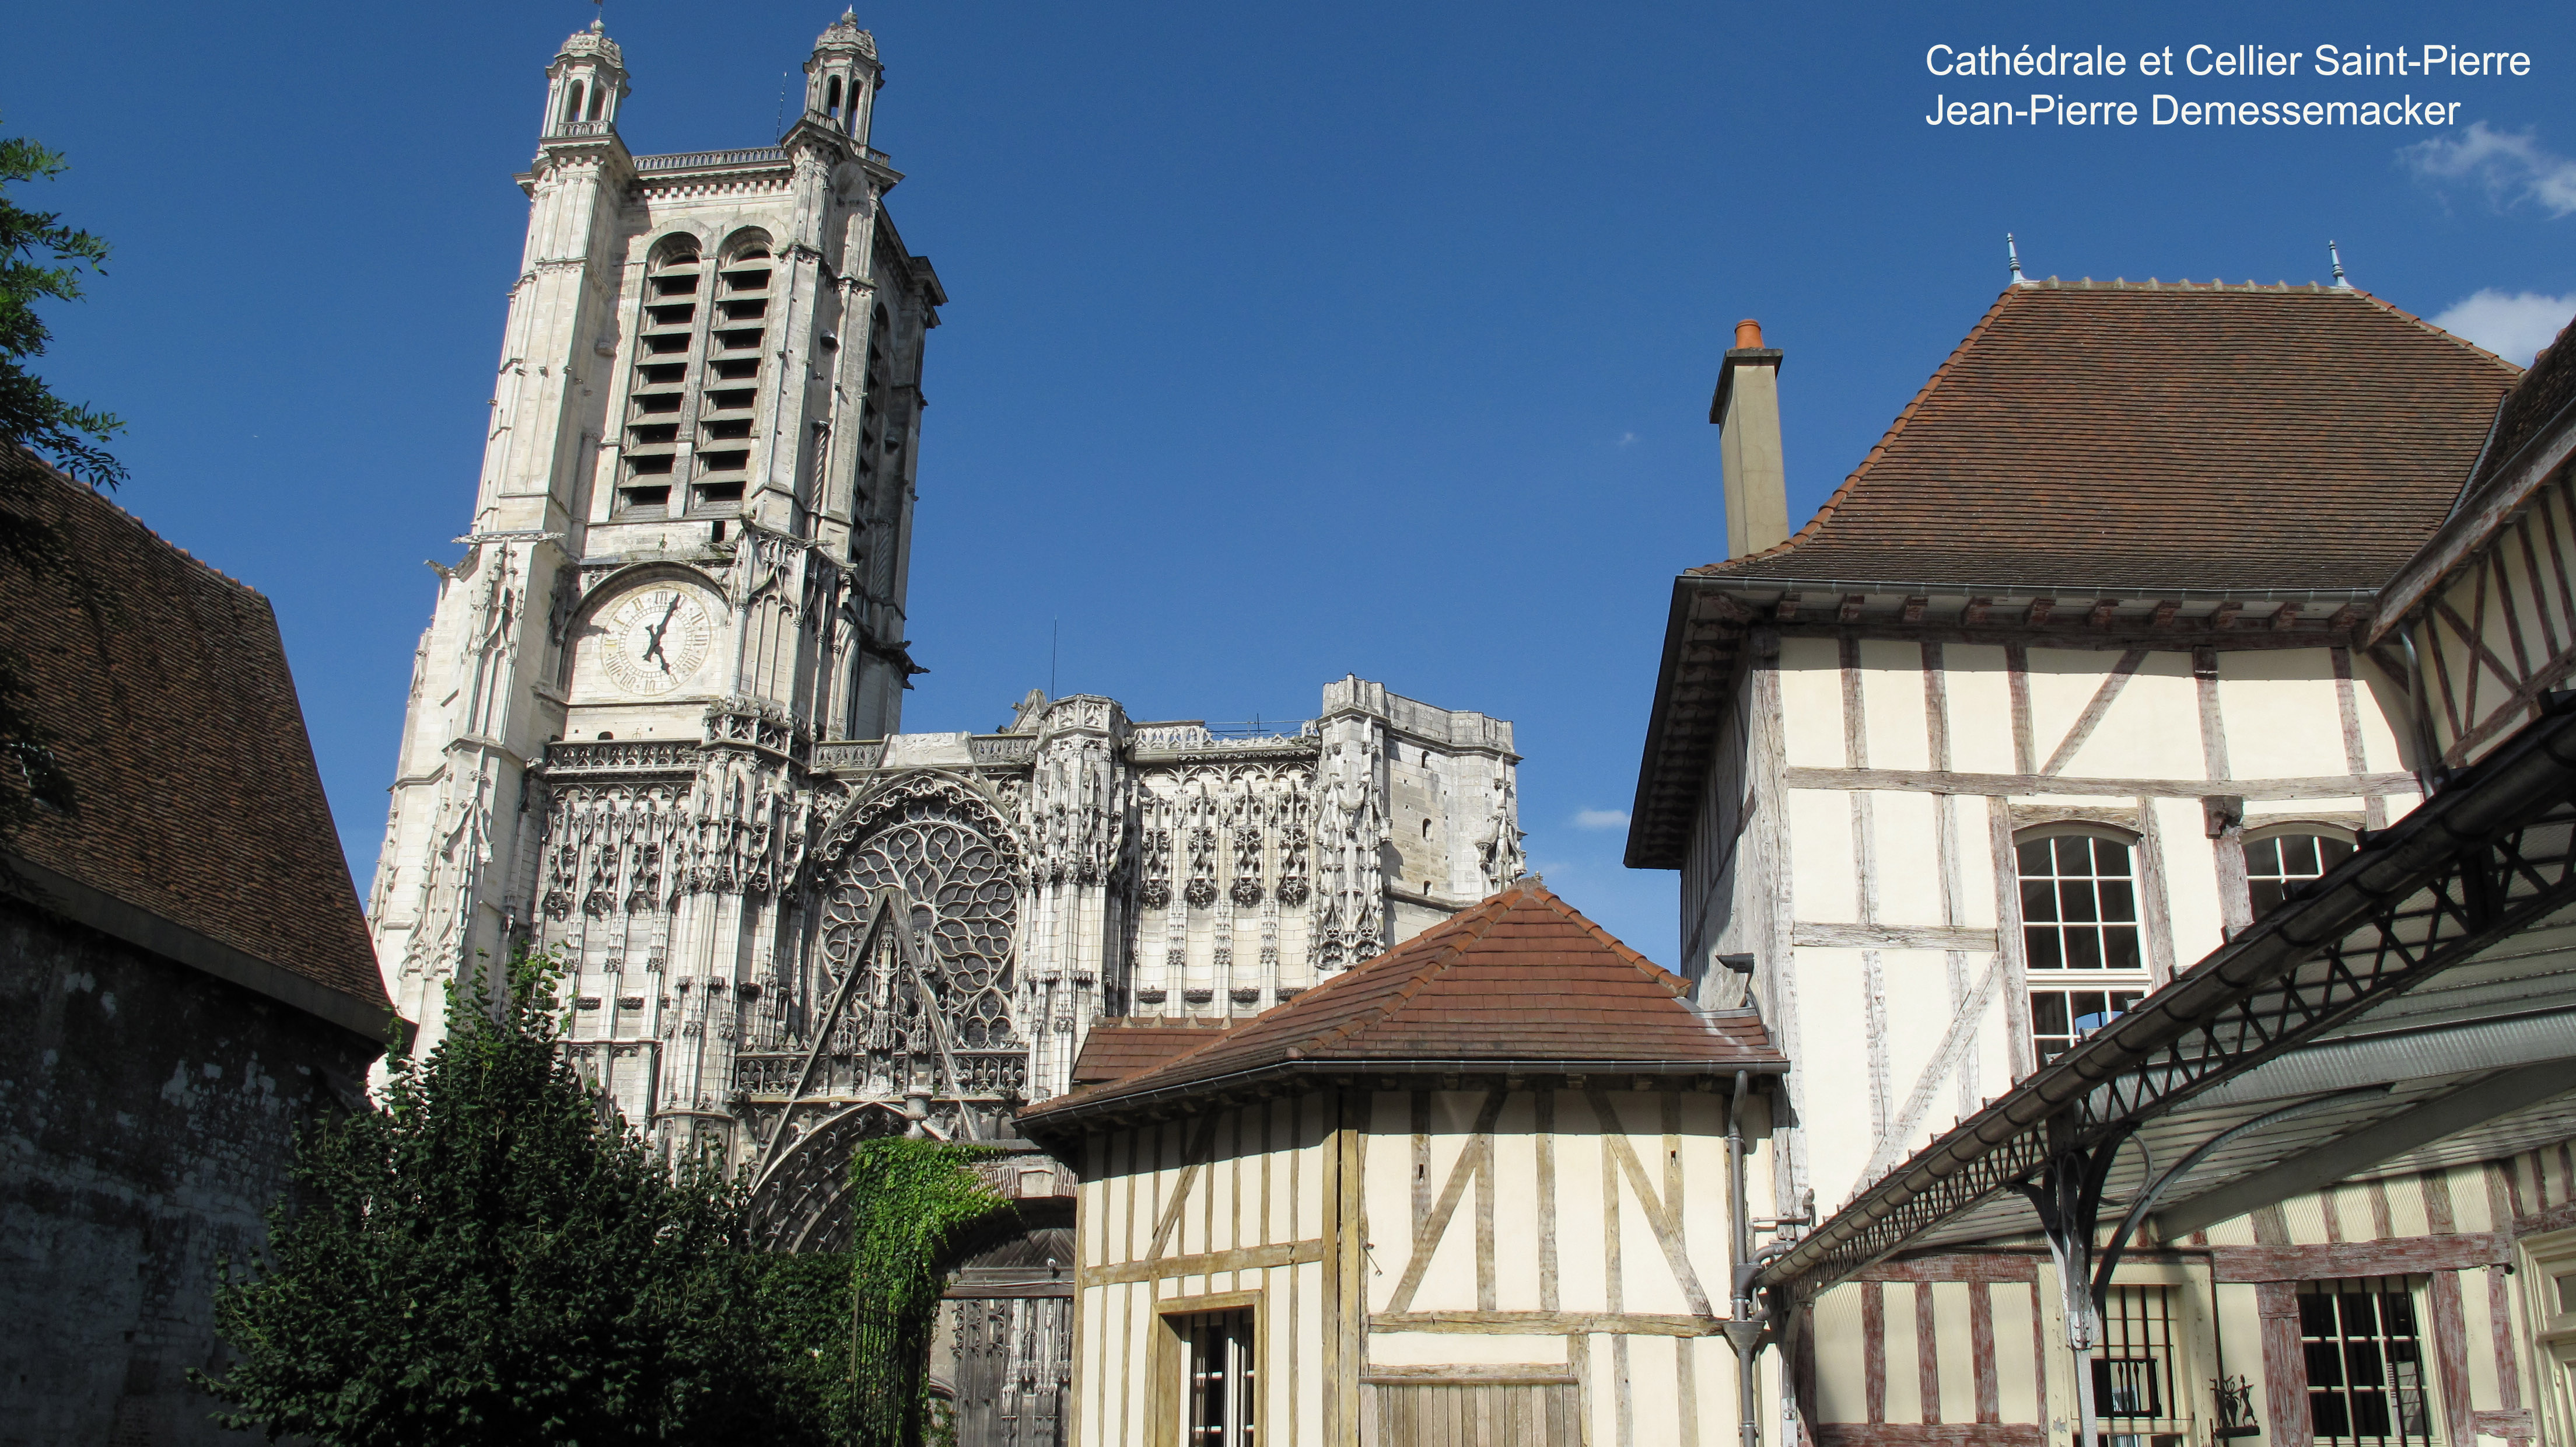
(655,721)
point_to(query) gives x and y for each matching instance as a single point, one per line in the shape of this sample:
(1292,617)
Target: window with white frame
(2549,1276)
(1217,1347)
(2281,856)
(2365,1357)
(2081,937)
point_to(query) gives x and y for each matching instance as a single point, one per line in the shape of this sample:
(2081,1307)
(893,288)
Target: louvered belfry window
(657,402)
(737,334)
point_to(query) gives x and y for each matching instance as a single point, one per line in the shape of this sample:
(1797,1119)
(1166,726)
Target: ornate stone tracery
(957,881)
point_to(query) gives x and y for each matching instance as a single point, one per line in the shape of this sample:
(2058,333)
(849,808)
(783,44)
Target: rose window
(963,904)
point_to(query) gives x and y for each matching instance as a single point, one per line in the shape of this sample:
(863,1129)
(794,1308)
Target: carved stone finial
(845,34)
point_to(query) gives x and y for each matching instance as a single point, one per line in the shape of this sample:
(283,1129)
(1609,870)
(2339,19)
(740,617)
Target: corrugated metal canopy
(2511,1010)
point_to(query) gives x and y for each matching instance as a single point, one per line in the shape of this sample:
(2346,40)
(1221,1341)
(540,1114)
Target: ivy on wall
(910,1201)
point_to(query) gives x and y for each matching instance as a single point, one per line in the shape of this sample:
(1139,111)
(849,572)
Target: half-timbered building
(1482,1189)
(2134,806)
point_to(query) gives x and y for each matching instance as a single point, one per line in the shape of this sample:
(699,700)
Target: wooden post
(2285,1364)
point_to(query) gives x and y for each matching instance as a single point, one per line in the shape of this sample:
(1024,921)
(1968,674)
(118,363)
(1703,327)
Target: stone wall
(147,1117)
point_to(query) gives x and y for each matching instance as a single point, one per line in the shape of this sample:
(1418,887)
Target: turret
(584,85)
(841,79)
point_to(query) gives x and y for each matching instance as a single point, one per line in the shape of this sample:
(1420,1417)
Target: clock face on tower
(656,640)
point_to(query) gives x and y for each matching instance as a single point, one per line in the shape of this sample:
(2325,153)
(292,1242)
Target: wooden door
(1014,1370)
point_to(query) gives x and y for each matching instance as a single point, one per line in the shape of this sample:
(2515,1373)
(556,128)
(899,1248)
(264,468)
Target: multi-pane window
(2079,909)
(1219,1405)
(2079,904)
(2134,1378)
(2366,1378)
(2276,862)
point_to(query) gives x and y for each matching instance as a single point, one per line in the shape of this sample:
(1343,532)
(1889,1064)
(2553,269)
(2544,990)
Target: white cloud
(2513,325)
(2511,167)
(1601,819)
(1626,439)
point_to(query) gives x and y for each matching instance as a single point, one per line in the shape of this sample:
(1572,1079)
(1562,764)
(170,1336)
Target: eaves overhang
(2285,970)
(370,1018)
(1055,1124)
(2511,488)
(2005,592)
(1714,615)
(1703,638)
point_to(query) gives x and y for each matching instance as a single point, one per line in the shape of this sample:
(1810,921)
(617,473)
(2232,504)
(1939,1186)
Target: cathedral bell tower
(684,572)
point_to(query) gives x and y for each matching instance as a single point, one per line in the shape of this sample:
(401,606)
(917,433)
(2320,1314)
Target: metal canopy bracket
(2493,855)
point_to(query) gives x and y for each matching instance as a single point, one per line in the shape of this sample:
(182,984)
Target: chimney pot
(1747,407)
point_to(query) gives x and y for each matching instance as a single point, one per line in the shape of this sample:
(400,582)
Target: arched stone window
(665,357)
(2082,937)
(736,342)
(572,103)
(2278,856)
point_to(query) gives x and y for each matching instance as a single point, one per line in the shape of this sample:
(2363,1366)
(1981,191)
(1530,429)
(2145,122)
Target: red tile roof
(173,715)
(2544,395)
(2528,446)
(1520,982)
(2093,436)
(1130,1045)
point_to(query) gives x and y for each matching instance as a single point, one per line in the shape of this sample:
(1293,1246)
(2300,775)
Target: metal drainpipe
(2428,759)
(1743,1329)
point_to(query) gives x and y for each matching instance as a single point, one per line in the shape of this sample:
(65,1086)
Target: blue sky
(1284,342)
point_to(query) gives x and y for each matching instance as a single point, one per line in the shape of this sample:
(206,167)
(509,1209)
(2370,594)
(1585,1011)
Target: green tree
(487,1260)
(40,259)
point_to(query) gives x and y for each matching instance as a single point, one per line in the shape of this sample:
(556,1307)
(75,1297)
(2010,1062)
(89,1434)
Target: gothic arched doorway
(1004,1350)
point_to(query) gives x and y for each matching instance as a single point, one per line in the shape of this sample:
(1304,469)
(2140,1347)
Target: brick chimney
(1747,410)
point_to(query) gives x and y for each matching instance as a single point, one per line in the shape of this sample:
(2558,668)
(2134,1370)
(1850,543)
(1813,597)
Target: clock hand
(655,632)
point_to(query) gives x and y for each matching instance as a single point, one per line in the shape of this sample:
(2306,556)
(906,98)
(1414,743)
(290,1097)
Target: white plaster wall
(2282,718)
(1823,870)
(1980,695)
(1811,702)
(1865,1037)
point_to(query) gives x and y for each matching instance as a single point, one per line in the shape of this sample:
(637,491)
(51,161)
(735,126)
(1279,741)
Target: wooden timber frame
(2483,620)
(2490,855)
(1713,628)
(1414,1159)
